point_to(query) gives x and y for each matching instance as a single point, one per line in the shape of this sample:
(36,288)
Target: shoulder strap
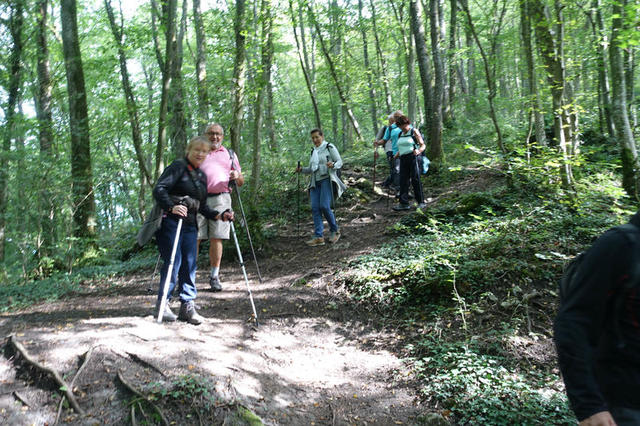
(231,154)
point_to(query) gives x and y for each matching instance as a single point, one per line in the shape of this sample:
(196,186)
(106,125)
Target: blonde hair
(197,140)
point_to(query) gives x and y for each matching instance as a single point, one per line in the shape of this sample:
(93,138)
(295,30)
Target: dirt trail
(313,360)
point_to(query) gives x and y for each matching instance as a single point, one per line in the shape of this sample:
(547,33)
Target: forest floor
(315,357)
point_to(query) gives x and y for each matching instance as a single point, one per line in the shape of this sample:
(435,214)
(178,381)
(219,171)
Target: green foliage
(478,388)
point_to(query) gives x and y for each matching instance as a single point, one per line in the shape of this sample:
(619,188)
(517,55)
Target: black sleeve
(581,320)
(166,181)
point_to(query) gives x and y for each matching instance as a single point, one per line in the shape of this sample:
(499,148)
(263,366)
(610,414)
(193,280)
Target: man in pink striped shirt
(221,167)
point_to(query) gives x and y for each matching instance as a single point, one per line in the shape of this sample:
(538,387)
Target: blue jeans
(184,264)
(321,206)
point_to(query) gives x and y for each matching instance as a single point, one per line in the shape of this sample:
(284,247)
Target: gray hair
(197,140)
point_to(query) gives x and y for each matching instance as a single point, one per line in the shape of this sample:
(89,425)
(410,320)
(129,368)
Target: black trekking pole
(244,272)
(165,285)
(246,227)
(298,197)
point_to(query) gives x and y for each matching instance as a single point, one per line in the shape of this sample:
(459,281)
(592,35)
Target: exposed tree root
(21,398)
(145,363)
(53,373)
(86,357)
(140,395)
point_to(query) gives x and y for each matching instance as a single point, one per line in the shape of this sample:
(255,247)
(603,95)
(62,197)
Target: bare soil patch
(310,361)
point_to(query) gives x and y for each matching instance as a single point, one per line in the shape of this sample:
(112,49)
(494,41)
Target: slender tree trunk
(629,154)
(239,77)
(169,10)
(424,66)
(45,132)
(534,106)
(305,68)
(269,120)
(373,110)
(435,126)
(132,108)
(83,197)
(453,36)
(471,63)
(489,74)
(381,59)
(201,68)
(333,72)
(263,77)
(176,107)
(409,57)
(555,75)
(16,21)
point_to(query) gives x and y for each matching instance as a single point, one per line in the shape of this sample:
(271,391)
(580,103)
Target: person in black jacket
(181,191)
(597,331)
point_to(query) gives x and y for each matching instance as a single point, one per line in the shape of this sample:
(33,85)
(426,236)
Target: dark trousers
(409,173)
(394,175)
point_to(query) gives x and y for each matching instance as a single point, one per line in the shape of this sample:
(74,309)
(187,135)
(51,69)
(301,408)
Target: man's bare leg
(215,257)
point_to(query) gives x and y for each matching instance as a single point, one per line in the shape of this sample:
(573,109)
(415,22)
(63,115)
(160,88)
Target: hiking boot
(315,241)
(188,313)
(422,206)
(334,237)
(167,315)
(401,207)
(214,283)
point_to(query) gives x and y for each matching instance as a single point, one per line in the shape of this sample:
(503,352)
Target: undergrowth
(477,259)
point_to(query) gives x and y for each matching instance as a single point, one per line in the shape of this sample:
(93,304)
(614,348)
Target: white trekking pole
(244,272)
(165,285)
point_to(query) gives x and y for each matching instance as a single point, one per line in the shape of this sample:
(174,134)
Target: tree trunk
(16,21)
(415,12)
(83,197)
(169,21)
(263,77)
(373,110)
(201,69)
(453,35)
(534,106)
(239,77)
(305,67)
(629,155)
(409,58)
(489,74)
(176,107)
(334,74)
(555,75)
(45,132)
(435,125)
(381,59)
(471,63)
(132,108)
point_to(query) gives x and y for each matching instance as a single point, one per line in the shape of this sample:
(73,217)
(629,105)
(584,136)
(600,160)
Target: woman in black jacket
(181,192)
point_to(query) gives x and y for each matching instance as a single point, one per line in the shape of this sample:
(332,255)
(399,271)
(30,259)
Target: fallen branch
(87,355)
(139,394)
(56,376)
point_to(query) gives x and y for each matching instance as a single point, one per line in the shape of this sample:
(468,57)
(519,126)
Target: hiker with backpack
(410,145)
(597,329)
(181,192)
(223,171)
(389,140)
(325,187)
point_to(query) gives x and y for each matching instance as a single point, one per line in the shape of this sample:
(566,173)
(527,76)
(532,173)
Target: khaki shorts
(217,229)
